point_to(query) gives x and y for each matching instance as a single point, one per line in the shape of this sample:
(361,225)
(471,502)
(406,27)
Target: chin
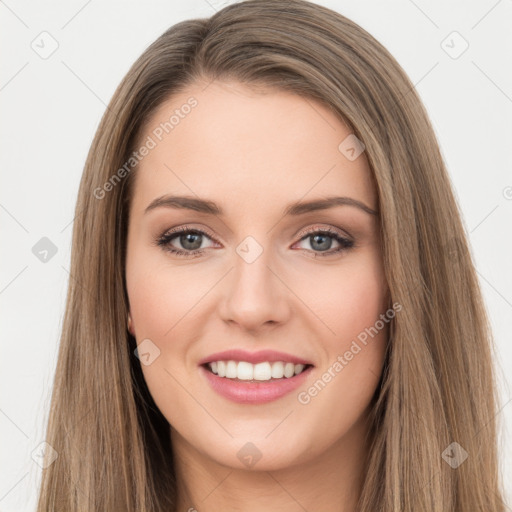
(257,455)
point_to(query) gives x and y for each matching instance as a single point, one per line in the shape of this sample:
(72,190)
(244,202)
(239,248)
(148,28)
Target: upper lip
(253,357)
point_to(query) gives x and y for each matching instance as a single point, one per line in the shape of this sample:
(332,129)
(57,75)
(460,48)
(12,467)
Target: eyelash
(164,240)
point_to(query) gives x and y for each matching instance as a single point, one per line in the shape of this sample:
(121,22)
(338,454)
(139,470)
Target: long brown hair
(438,386)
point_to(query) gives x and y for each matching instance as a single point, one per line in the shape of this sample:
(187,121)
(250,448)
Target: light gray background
(51,108)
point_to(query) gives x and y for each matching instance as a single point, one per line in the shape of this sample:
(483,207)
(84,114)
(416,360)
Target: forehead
(247,147)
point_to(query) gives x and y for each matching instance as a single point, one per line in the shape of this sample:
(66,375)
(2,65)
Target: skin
(253,153)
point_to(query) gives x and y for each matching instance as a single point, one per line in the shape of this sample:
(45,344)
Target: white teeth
(262,371)
(243,370)
(231,371)
(289,370)
(278,370)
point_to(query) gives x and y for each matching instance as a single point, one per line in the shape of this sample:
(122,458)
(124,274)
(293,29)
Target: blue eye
(322,238)
(188,238)
(191,241)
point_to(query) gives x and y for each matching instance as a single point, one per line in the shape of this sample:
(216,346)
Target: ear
(130,325)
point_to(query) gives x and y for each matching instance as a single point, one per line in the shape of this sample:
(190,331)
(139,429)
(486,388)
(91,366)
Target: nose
(255,297)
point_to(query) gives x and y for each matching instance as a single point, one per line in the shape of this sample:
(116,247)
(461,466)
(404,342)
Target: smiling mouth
(243,371)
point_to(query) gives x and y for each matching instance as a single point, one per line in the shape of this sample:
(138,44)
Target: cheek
(345,385)
(164,305)
(159,300)
(356,307)
(354,349)
(347,298)
(160,296)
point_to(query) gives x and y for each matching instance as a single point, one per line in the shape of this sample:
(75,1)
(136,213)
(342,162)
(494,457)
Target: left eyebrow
(293,209)
(300,208)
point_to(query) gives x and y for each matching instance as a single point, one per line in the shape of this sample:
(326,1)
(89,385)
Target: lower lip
(254,392)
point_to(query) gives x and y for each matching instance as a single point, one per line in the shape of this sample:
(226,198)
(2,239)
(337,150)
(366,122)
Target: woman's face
(266,279)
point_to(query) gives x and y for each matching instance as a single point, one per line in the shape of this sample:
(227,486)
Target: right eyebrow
(185,202)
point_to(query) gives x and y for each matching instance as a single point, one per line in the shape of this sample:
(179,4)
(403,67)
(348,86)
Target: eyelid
(327,229)
(186,228)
